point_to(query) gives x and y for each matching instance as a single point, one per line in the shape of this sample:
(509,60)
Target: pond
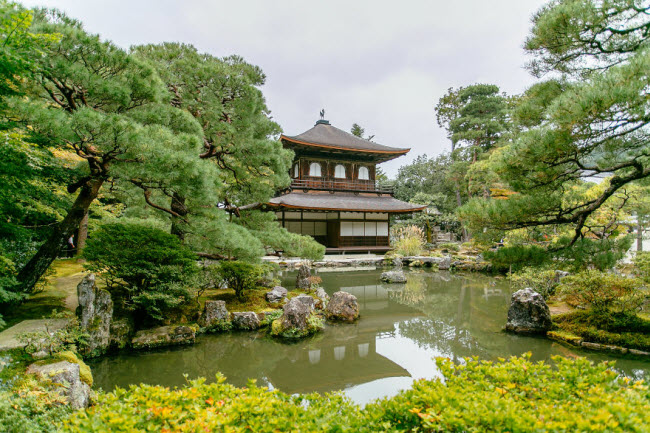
(401,330)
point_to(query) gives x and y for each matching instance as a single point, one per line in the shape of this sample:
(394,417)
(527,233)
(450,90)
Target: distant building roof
(343,202)
(327,137)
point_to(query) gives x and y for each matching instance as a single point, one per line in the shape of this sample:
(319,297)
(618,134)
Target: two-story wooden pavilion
(334,195)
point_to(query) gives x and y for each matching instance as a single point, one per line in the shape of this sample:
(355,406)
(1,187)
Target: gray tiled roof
(324,134)
(343,202)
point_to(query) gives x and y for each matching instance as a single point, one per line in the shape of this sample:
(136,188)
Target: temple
(334,195)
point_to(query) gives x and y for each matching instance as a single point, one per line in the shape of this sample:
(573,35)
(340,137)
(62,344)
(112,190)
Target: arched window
(363,173)
(339,171)
(295,171)
(314,169)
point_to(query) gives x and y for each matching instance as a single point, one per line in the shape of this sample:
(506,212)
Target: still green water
(401,330)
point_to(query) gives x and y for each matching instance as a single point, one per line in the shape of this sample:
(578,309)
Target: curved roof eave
(329,146)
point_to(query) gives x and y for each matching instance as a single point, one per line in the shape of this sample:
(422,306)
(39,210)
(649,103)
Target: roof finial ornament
(322,114)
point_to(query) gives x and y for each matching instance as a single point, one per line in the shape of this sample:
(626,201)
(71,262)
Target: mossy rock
(85,374)
(567,337)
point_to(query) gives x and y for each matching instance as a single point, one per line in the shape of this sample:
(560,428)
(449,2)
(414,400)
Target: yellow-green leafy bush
(517,395)
(514,395)
(214,407)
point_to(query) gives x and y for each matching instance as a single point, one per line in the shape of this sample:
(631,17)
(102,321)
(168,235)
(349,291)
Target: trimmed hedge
(514,395)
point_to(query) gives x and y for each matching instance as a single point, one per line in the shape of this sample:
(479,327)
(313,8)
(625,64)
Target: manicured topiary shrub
(146,269)
(240,276)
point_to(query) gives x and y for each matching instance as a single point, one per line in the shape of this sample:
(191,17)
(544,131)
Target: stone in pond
(342,307)
(393,277)
(276,295)
(307,300)
(171,335)
(214,312)
(295,320)
(246,320)
(66,374)
(528,313)
(95,315)
(323,298)
(303,280)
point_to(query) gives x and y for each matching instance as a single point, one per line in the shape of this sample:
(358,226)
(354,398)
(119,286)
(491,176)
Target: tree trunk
(82,235)
(178,206)
(639,234)
(38,264)
(465,235)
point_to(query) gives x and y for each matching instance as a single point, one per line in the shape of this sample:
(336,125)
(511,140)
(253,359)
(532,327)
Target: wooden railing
(325,184)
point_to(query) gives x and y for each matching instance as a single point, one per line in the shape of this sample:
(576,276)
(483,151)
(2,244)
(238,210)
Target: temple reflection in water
(401,330)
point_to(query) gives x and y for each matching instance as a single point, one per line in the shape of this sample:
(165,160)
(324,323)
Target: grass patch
(618,329)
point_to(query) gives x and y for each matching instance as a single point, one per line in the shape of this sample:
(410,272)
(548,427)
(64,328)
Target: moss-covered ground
(627,330)
(59,293)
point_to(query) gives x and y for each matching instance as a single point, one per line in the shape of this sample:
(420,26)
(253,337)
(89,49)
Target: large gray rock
(276,295)
(95,315)
(246,320)
(172,335)
(393,277)
(122,330)
(295,320)
(528,313)
(342,307)
(303,281)
(306,300)
(443,263)
(66,374)
(214,313)
(323,298)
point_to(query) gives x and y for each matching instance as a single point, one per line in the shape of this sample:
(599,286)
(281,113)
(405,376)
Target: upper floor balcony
(325,184)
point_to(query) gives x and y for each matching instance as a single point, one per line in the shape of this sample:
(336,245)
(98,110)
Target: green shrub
(68,338)
(641,262)
(27,405)
(145,269)
(543,281)
(214,407)
(601,254)
(409,241)
(516,257)
(450,246)
(31,412)
(602,291)
(240,276)
(516,395)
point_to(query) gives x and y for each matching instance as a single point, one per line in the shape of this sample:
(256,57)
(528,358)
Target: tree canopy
(590,119)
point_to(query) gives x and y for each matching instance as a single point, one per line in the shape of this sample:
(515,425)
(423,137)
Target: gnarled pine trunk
(32,271)
(178,207)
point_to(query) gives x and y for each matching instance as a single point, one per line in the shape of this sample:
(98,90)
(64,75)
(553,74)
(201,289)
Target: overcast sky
(382,64)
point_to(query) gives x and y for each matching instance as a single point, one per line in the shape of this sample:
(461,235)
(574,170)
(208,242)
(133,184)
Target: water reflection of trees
(462,313)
